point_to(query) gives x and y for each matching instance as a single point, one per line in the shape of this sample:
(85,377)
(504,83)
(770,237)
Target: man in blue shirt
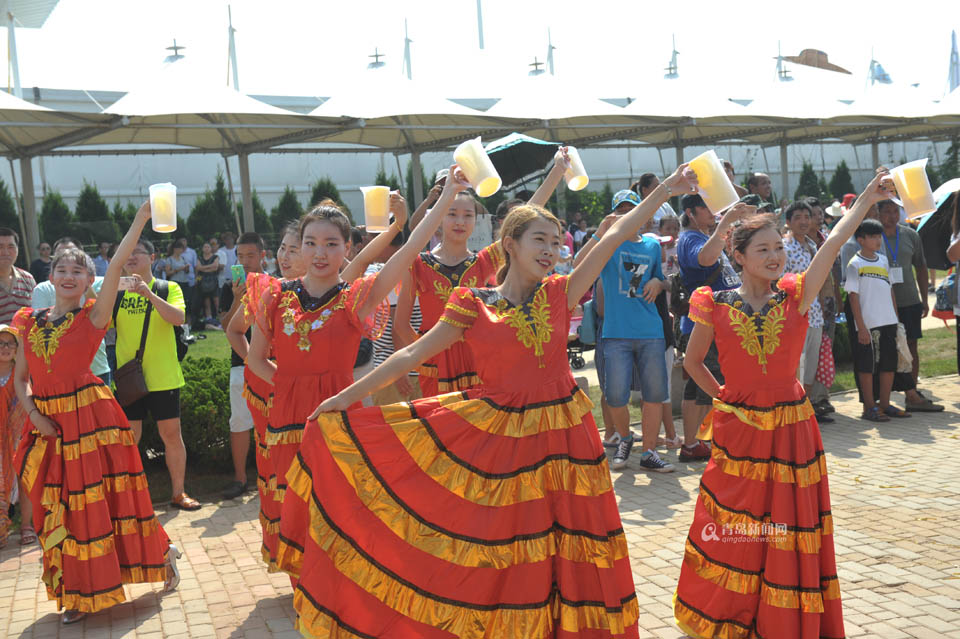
(702,263)
(633,337)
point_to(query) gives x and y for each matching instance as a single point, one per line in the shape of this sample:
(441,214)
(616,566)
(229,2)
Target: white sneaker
(613,441)
(173,577)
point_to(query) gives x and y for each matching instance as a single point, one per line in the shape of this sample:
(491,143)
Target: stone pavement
(896,508)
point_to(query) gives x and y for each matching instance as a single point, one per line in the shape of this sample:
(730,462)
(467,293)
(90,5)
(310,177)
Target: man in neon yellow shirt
(161,368)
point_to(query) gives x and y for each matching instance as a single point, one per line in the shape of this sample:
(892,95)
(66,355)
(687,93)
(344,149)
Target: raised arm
(437,339)
(393,270)
(711,250)
(373,249)
(594,239)
(816,273)
(428,201)
(102,309)
(683,180)
(561,162)
(953,251)
(403,333)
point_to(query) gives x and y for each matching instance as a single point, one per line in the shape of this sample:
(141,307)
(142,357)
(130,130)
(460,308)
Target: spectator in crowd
(190,256)
(506,206)
(250,257)
(208,288)
(633,337)
(914,401)
(40,267)
(357,238)
(908,275)
(161,368)
(760,184)
(16,284)
(702,263)
(102,260)
(800,250)
(227,253)
(669,226)
(575,218)
(12,417)
(176,268)
(953,255)
(728,169)
(872,304)
(829,304)
(45,295)
(580,235)
(269,262)
(643,187)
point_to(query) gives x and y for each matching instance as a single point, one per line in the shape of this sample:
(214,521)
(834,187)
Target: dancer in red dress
(436,273)
(259,393)
(312,326)
(484,513)
(79,461)
(759,559)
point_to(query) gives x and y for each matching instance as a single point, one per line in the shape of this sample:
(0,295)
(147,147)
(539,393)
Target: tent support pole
(784,172)
(875,153)
(29,203)
(415,171)
(244,160)
(233,201)
(28,247)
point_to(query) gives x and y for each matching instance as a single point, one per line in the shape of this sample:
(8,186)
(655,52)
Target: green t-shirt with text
(161,368)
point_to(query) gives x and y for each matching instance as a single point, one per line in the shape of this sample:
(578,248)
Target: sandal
(874,415)
(27,535)
(72,616)
(183,501)
(173,573)
(893,411)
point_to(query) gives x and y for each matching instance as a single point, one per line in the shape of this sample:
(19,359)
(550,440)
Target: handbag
(131,384)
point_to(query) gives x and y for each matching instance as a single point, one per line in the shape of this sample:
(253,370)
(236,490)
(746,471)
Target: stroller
(575,346)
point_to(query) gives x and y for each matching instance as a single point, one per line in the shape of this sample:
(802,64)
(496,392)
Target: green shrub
(287,209)
(204,415)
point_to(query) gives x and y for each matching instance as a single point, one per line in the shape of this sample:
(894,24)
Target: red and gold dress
(453,369)
(259,395)
(314,342)
(12,418)
(91,504)
(482,513)
(759,559)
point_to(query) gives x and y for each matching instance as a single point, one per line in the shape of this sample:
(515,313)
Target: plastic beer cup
(476,165)
(163,207)
(376,208)
(913,187)
(714,185)
(576,175)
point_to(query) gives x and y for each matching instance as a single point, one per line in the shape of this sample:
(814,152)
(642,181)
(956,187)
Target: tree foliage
(261,221)
(409,180)
(324,188)
(94,223)
(9,217)
(287,209)
(211,214)
(56,219)
(382,179)
(809,185)
(841,183)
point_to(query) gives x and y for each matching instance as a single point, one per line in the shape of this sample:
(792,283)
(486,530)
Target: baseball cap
(626,195)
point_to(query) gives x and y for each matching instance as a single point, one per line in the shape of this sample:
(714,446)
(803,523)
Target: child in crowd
(11,423)
(875,313)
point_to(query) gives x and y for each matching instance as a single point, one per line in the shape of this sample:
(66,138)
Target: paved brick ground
(896,507)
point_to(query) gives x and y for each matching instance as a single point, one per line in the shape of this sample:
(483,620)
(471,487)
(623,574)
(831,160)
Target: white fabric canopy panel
(27,129)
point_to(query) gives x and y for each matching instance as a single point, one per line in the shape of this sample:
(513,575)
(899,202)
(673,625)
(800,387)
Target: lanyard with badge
(896,271)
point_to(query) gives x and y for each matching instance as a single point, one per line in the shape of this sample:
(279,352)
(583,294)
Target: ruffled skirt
(759,559)
(259,396)
(458,516)
(91,504)
(294,398)
(450,371)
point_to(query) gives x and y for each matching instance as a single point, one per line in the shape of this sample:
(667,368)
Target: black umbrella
(517,156)
(936,229)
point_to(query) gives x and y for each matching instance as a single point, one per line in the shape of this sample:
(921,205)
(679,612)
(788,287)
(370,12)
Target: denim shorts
(620,356)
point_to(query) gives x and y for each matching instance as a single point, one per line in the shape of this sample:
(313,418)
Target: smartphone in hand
(238,273)
(126,283)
